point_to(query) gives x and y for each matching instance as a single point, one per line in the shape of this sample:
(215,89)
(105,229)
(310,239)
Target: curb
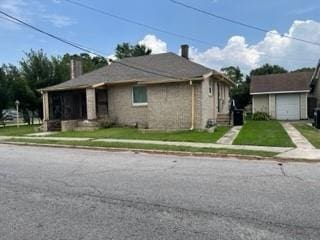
(164,152)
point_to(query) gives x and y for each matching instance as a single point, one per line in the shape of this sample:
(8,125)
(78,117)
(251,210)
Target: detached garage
(283,96)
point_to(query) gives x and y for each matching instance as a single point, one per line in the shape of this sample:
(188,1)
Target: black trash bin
(237,117)
(316,121)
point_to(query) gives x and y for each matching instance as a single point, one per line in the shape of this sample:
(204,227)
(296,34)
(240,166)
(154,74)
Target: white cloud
(305,10)
(236,52)
(274,49)
(59,21)
(13,6)
(32,10)
(154,43)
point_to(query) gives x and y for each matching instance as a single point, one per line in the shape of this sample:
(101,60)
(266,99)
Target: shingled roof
(157,67)
(284,82)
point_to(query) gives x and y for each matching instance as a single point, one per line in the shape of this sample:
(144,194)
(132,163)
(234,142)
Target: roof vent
(75,68)
(185,51)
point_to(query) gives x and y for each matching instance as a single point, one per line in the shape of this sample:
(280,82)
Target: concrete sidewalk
(230,136)
(171,143)
(297,138)
(304,150)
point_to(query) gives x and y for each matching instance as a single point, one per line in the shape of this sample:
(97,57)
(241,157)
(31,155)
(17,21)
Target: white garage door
(288,106)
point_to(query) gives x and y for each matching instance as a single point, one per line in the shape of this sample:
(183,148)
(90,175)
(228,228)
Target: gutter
(279,92)
(192,105)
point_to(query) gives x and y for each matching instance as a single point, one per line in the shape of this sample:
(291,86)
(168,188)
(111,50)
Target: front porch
(81,109)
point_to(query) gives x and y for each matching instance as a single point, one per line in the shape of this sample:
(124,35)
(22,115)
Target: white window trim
(132,98)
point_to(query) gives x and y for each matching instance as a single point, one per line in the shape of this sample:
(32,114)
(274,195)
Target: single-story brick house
(161,91)
(286,96)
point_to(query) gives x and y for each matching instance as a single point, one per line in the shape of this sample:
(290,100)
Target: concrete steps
(223,119)
(87,125)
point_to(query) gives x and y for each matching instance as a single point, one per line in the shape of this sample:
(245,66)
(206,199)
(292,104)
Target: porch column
(91,104)
(45,105)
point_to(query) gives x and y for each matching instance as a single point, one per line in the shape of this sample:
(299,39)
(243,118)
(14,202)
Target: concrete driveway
(50,193)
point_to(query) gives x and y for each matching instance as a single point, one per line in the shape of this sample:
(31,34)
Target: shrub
(260,116)
(248,116)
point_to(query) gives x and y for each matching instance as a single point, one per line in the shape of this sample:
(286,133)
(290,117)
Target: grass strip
(15,131)
(149,147)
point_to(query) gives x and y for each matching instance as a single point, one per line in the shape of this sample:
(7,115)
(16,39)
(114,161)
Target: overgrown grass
(132,133)
(263,133)
(148,147)
(14,131)
(310,133)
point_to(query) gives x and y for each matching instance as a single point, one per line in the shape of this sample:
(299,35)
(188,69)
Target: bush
(248,116)
(261,116)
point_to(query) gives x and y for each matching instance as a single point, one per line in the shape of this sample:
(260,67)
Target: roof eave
(279,92)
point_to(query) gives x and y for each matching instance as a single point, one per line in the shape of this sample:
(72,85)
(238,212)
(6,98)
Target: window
(210,88)
(102,102)
(139,96)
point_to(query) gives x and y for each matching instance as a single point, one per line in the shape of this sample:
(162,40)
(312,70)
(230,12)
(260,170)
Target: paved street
(51,193)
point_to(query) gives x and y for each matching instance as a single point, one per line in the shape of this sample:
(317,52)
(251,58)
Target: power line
(125,19)
(86,49)
(16,20)
(242,23)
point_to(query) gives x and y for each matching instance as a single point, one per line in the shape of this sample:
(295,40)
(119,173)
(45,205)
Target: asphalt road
(50,193)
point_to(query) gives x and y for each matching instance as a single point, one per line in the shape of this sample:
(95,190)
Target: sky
(225,44)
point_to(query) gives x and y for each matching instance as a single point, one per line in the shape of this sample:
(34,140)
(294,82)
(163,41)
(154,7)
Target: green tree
(241,92)
(234,73)
(4,95)
(305,69)
(36,72)
(125,50)
(268,69)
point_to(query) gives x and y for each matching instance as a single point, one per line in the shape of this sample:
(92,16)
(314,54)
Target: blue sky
(229,44)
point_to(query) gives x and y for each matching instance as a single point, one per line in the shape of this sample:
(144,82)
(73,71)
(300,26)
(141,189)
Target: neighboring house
(161,91)
(287,96)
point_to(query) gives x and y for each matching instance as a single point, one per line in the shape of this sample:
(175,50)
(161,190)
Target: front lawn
(263,133)
(132,133)
(14,131)
(310,133)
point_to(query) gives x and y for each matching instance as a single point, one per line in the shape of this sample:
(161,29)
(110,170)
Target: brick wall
(121,109)
(170,106)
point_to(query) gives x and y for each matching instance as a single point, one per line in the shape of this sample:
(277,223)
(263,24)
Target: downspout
(192,106)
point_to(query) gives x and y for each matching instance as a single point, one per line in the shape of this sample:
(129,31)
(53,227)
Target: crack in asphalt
(163,207)
(285,174)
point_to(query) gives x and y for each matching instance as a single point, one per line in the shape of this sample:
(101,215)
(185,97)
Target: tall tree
(240,93)
(268,69)
(37,72)
(126,50)
(4,96)
(234,73)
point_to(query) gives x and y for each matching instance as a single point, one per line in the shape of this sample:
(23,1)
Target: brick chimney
(75,68)
(185,51)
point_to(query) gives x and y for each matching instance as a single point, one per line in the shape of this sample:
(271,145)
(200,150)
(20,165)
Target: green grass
(14,131)
(310,133)
(148,147)
(132,133)
(263,133)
